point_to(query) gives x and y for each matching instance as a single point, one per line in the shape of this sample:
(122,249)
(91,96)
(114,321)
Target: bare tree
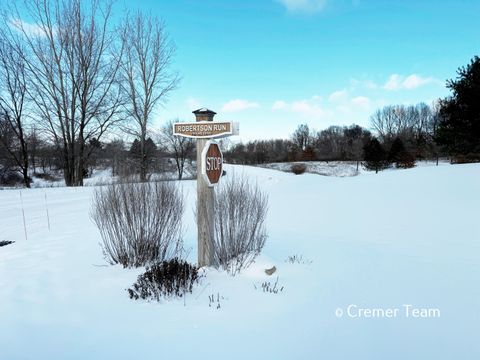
(432,127)
(302,137)
(401,121)
(180,147)
(383,121)
(72,59)
(33,142)
(332,143)
(13,92)
(147,76)
(356,137)
(115,154)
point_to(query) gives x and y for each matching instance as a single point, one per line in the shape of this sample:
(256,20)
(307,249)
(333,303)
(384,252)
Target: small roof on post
(204,114)
(204,111)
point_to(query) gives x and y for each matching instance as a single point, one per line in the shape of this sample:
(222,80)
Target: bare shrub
(168,279)
(240,214)
(140,223)
(298,169)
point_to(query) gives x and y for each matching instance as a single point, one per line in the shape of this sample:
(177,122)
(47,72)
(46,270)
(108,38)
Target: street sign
(209,170)
(212,163)
(205,129)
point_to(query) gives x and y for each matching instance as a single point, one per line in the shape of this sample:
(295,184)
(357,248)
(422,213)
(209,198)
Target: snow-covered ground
(336,168)
(325,168)
(402,237)
(104,177)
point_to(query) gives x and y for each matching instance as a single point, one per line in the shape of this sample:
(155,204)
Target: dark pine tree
(375,156)
(459,127)
(400,156)
(148,156)
(150,148)
(395,150)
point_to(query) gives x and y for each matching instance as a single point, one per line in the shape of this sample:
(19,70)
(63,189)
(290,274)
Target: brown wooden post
(205,201)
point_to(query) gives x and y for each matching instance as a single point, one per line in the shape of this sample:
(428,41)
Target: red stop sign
(212,162)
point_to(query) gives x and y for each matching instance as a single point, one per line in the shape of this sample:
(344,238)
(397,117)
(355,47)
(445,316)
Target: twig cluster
(298,259)
(268,287)
(214,301)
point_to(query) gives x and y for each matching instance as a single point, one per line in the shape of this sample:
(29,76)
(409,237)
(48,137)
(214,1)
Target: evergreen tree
(150,148)
(375,156)
(143,162)
(396,149)
(400,156)
(459,128)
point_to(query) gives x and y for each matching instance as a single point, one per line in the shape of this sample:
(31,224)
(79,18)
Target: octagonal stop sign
(212,162)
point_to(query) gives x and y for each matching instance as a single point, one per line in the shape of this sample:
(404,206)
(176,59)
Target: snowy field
(104,177)
(402,237)
(325,168)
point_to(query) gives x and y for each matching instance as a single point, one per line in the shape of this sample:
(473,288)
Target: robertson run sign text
(204,129)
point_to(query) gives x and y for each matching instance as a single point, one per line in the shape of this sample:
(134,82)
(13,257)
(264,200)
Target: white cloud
(304,6)
(30,29)
(239,105)
(337,96)
(413,81)
(399,82)
(308,108)
(393,82)
(362,102)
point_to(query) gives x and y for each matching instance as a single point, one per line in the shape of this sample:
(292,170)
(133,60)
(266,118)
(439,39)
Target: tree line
(413,128)
(450,127)
(399,134)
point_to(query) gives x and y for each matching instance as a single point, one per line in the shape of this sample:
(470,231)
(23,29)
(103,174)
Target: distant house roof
(204,111)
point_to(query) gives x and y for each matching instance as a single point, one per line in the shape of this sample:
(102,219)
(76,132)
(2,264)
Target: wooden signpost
(209,172)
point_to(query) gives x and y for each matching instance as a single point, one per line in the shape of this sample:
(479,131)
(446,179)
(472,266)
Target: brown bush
(298,169)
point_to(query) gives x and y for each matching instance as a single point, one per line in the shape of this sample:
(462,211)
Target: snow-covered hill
(403,237)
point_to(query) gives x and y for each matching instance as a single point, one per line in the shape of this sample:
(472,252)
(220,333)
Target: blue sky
(273,64)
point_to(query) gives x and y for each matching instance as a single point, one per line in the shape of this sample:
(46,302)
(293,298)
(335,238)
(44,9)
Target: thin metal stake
(23,214)
(46,208)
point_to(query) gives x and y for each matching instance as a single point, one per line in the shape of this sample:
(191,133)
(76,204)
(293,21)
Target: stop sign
(212,162)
